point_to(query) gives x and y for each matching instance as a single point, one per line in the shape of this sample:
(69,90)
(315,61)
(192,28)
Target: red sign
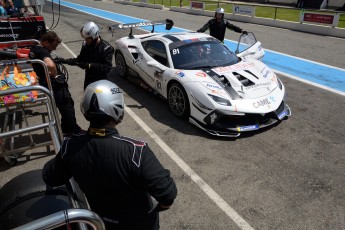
(198,5)
(319,18)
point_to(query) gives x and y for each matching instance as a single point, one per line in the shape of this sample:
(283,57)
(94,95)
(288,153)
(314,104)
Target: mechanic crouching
(95,57)
(117,174)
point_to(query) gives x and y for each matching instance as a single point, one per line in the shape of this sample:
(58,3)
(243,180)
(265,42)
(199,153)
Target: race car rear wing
(167,22)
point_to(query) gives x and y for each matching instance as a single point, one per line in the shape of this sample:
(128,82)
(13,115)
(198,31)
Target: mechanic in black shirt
(95,57)
(218,25)
(117,174)
(63,99)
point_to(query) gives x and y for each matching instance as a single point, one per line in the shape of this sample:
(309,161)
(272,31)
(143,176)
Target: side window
(156,49)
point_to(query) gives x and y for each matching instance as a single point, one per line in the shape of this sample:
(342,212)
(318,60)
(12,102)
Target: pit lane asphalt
(287,177)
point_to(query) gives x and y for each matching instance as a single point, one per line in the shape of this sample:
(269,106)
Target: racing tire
(26,198)
(121,65)
(178,100)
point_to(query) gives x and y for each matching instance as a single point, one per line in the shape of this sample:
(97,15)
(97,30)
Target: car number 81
(176,51)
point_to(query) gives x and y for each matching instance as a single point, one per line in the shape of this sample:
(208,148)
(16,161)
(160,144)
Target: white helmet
(220,11)
(90,29)
(102,98)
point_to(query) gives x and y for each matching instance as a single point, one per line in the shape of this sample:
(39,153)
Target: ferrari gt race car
(219,91)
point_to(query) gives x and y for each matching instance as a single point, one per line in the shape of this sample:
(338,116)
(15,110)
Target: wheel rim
(177,101)
(120,64)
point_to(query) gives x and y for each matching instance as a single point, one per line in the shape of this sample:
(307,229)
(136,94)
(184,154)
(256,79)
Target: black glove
(82,65)
(60,79)
(70,61)
(58,60)
(244,32)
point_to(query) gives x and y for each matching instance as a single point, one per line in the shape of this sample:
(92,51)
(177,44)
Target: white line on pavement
(198,180)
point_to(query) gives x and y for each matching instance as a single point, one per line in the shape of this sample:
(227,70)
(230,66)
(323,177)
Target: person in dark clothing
(117,174)
(95,57)
(300,4)
(11,9)
(63,99)
(218,25)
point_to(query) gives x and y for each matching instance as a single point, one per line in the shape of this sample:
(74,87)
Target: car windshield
(202,54)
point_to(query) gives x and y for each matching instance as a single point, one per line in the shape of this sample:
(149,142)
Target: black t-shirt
(39,52)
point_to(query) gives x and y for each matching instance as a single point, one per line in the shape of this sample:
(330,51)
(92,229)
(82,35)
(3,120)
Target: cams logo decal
(264,102)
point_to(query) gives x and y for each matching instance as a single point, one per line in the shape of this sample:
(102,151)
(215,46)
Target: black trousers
(150,222)
(65,105)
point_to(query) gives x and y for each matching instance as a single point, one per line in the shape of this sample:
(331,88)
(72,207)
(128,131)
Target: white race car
(218,91)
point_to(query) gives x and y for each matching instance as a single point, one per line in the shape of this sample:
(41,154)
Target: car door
(249,47)
(154,63)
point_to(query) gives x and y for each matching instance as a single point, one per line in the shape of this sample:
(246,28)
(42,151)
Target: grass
(285,14)
(278,13)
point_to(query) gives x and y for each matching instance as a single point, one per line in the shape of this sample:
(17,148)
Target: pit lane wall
(297,26)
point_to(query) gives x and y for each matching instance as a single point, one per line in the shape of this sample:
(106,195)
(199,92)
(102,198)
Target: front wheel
(121,65)
(178,100)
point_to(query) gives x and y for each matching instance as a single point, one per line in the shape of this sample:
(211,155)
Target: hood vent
(244,81)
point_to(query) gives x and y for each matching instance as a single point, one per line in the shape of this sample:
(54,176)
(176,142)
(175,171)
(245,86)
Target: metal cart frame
(45,98)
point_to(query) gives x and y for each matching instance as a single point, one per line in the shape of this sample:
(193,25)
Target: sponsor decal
(11,28)
(159,76)
(220,92)
(201,74)
(318,18)
(228,69)
(266,74)
(115,90)
(263,102)
(180,73)
(158,85)
(245,10)
(211,86)
(259,85)
(9,35)
(191,40)
(247,128)
(197,5)
(135,25)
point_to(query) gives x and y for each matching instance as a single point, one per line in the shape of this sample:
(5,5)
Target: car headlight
(220,100)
